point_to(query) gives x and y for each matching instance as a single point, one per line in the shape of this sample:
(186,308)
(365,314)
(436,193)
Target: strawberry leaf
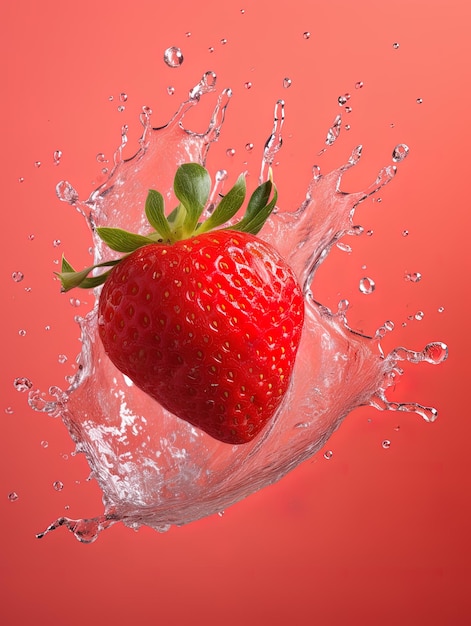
(70,278)
(227,207)
(258,209)
(155,213)
(192,185)
(122,240)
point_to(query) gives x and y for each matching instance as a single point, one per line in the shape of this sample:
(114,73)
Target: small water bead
(58,485)
(405,233)
(21,179)
(9,410)
(249,147)
(306,34)
(248,85)
(328,454)
(419,316)
(111,98)
(359,84)
(22,332)
(210,49)
(123,96)
(121,108)
(342,100)
(287,82)
(44,444)
(369,233)
(367,285)
(419,100)
(13,496)
(75,302)
(173,56)
(441,309)
(22,384)
(413,277)
(37,164)
(170,90)
(395,45)
(66,193)
(347,126)
(17,276)
(230,152)
(57,156)
(56,243)
(223,42)
(188,34)
(62,358)
(386,444)
(400,152)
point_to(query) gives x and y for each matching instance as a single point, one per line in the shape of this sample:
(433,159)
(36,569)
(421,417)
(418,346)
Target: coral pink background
(371,536)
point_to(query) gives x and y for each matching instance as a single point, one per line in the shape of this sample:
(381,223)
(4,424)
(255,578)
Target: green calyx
(192,187)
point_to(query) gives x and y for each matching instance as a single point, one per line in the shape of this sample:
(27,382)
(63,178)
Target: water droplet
(413,277)
(367,285)
(248,85)
(306,34)
(121,108)
(66,193)
(111,98)
(56,243)
(47,327)
(328,454)
(395,45)
(22,332)
(359,84)
(230,152)
(58,485)
(286,82)
(17,276)
(435,352)
(170,90)
(22,384)
(173,56)
(37,164)
(62,358)
(123,96)
(369,233)
(242,11)
(419,316)
(249,147)
(220,513)
(386,444)
(441,309)
(405,233)
(13,496)
(75,302)
(344,247)
(347,126)
(223,41)
(419,100)
(188,34)
(334,131)
(57,156)
(44,444)
(21,179)
(342,100)
(400,152)
(9,410)
(210,49)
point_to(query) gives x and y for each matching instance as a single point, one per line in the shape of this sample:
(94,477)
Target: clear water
(157,470)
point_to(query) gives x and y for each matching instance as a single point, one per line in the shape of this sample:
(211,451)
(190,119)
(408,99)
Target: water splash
(157,470)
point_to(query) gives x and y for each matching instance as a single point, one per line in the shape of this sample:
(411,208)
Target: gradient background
(371,536)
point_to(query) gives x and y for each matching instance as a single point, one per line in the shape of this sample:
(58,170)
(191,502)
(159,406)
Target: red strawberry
(209,324)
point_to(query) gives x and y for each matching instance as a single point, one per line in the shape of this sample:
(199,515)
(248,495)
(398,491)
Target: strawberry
(205,320)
